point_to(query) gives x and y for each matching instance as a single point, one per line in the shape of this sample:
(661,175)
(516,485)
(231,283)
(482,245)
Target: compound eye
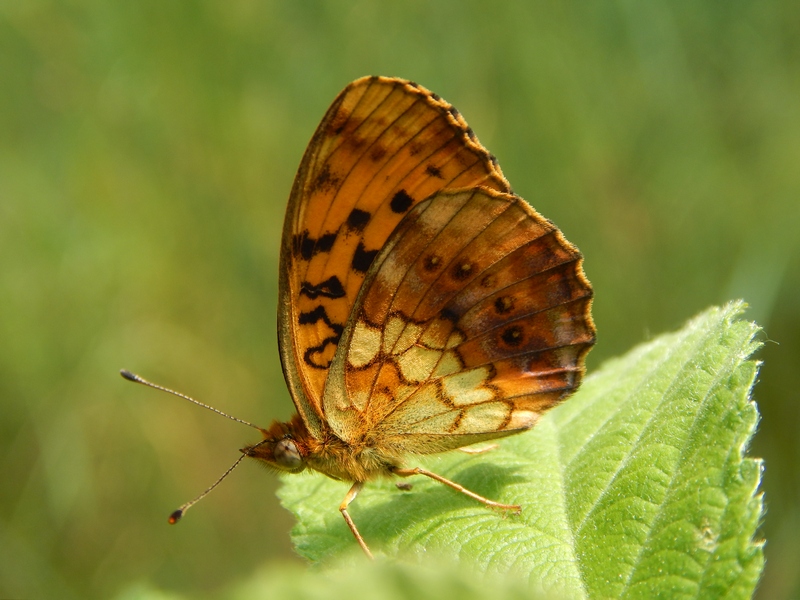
(287,455)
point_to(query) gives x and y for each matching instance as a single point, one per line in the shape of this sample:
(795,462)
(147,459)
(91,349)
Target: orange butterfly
(423,307)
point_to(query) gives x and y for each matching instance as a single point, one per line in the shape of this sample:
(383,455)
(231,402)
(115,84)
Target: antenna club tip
(127,375)
(175,517)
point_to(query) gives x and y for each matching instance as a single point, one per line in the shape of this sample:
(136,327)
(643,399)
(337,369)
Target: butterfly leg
(459,488)
(351,495)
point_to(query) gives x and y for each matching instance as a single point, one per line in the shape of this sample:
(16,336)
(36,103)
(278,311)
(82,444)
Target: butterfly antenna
(135,378)
(181,510)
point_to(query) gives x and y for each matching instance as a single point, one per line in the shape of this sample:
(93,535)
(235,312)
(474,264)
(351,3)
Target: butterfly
(423,307)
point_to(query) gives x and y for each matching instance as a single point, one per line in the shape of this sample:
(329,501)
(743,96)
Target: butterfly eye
(287,455)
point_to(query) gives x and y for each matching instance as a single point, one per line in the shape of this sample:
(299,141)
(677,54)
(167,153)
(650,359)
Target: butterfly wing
(383,146)
(472,321)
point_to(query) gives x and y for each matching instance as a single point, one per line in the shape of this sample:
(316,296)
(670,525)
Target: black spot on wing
(311,356)
(504,304)
(358,219)
(325,242)
(401,202)
(330,288)
(319,314)
(325,180)
(306,246)
(302,245)
(433,171)
(363,258)
(432,262)
(512,336)
(449,314)
(377,152)
(463,270)
(339,121)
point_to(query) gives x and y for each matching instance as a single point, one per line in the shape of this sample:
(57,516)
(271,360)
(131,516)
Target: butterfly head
(280,449)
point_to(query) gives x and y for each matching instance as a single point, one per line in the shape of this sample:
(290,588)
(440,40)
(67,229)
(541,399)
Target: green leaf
(637,487)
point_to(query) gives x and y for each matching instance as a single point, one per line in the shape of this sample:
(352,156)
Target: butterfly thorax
(291,447)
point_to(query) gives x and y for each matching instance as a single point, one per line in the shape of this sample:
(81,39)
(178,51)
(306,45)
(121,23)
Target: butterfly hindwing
(383,146)
(472,321)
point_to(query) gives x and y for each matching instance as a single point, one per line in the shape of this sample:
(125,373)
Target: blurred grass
(146,153)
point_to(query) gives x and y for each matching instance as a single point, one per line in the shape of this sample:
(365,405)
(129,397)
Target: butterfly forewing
(384,146)
(472,321)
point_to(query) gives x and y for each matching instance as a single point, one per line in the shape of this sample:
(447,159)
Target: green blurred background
(147,150)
